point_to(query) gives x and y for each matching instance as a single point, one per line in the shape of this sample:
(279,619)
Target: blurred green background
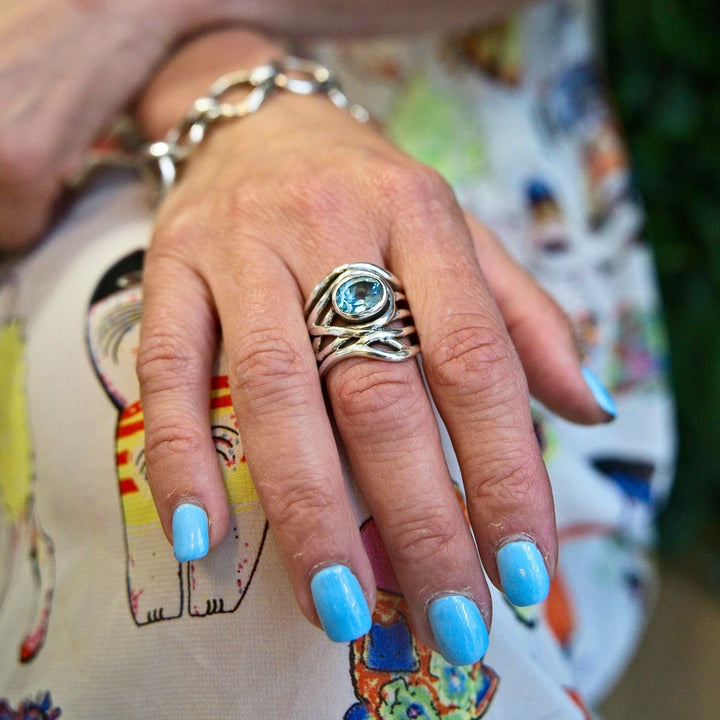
(664,66)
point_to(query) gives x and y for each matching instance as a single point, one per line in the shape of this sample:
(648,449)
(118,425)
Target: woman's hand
(267,207)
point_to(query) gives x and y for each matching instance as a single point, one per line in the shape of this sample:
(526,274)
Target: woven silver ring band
(360,310)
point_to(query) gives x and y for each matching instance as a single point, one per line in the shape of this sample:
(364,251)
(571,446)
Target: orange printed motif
(575,696)
(559,612)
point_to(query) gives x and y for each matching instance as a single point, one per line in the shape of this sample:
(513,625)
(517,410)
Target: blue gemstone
(359,296)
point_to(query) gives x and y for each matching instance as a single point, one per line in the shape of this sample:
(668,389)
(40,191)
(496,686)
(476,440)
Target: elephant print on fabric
(160,588)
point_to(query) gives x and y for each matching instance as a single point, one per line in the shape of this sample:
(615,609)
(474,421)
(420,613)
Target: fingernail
(190,532)
(523,575)
(340,603)
(600,393)
(459,629)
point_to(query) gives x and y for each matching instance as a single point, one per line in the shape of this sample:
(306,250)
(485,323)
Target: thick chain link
(293,74)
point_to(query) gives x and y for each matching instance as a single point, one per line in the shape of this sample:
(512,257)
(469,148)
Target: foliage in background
(664,67)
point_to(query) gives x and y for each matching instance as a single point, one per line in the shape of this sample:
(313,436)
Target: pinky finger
(543,336)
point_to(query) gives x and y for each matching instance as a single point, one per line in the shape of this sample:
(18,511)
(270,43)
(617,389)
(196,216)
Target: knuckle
(325,202)
(249,206)
(502,476)
(266,368)
(292,505)
(163,362)
(317,195)
(175,231)
(170,229)
(423,536)
(417,186)
(472,354)
(376,394)
(167,439)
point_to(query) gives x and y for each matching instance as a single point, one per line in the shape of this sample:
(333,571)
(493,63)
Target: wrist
(191,69)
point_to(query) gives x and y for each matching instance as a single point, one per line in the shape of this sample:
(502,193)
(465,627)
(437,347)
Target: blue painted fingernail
(459,629)
(600,393)
(340,603)
(523,575)
(190,532)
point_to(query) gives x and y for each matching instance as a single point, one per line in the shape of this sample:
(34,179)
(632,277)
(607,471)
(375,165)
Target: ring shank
(374,323)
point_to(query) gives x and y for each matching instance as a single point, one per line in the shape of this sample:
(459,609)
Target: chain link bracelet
(293,74)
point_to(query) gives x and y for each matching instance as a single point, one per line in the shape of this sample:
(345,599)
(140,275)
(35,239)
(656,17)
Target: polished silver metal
(383,331)
(168,154)
(293,74)
(307,77)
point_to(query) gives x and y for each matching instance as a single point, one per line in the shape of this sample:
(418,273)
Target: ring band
(360,310)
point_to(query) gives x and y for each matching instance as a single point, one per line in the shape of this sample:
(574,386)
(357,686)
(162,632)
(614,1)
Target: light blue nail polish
(190,532)
(523,575)
(459,629)
(340,603)
(600,393)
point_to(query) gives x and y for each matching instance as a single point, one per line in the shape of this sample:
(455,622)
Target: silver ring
(360,310)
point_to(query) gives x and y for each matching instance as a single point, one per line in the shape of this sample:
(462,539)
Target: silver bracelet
(296,75)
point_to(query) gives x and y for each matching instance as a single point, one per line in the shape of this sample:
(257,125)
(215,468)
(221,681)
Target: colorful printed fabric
(93,606)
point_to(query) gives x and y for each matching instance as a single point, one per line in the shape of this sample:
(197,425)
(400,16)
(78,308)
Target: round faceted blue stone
(359,296)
